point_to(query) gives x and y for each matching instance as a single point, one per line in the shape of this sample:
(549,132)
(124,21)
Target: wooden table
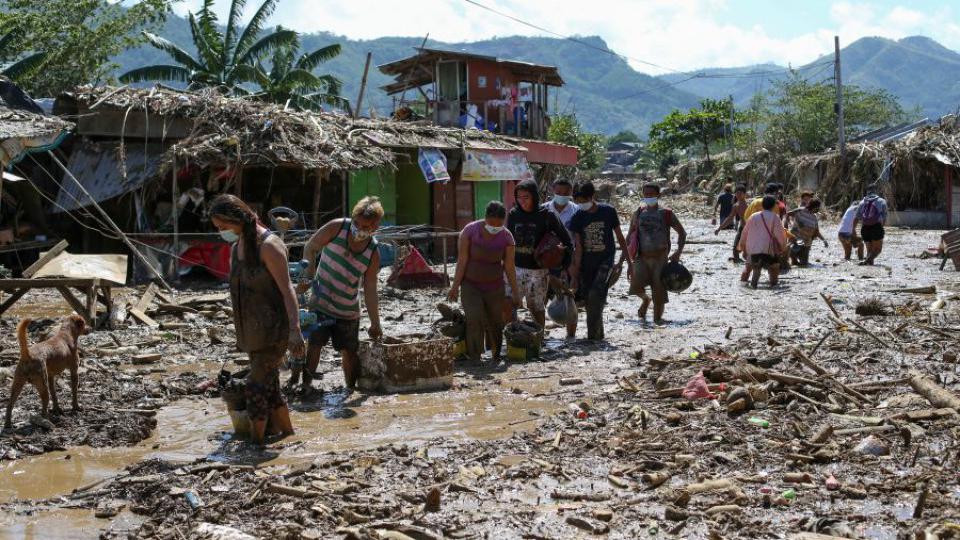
(92,290)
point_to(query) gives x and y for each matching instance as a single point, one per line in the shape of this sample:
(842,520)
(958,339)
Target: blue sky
(678,34)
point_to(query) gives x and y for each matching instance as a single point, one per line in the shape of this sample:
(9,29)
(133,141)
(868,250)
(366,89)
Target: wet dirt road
(488,402)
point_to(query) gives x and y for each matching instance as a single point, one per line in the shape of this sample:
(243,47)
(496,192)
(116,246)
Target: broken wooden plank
(143,318)
(937,396)
(144,303)
(45,258)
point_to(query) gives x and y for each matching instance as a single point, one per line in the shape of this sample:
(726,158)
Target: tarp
(433,164)
(495,166)
(98,167)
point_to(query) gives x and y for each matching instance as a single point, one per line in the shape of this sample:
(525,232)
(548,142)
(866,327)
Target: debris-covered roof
(22,131)
(230,130)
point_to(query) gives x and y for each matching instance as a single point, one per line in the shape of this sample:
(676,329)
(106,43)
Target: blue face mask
(650,201)
(562,200)
(229,236)
(359,234)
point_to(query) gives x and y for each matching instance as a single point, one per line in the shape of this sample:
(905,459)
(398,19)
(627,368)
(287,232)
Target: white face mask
(650,201)
(359,234)
(587,205)
(229,236)
(561,200)
(491,229)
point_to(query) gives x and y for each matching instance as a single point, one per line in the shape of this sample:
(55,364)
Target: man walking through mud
(736,215)
(872,213)
(594,227)
(348,258)
(650,230)
(562,206)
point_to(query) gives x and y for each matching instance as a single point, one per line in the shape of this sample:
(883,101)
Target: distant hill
(917,69)
(609,96)
(604,91)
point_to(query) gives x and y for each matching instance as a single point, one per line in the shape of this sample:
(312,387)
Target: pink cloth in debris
(697,388)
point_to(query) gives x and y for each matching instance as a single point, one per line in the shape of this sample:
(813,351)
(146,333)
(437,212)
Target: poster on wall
(434,165)
(495,166)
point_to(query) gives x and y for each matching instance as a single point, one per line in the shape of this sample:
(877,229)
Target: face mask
(650,201)
(561,200)
(359,234)
(492,230)
(229,236)
(587,205)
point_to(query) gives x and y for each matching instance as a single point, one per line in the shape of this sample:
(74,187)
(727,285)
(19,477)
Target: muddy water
(197,428)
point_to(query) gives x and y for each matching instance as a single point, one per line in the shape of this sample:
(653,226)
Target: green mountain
(921,72)
(606,94)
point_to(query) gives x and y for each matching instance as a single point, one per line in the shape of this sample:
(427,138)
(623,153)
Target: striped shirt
(336,285)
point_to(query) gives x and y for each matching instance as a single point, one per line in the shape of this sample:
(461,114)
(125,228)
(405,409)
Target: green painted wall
(413,196)
(483,193)
(379,182)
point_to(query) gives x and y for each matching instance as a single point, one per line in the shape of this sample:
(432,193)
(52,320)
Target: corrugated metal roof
(98,167)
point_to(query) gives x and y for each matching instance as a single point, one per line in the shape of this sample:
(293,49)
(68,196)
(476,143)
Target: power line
(569,38)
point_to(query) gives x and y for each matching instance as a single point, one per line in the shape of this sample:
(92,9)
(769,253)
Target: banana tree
(291,80)
(224,60)
(18,67)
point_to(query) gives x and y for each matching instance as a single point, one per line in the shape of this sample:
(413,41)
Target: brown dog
(40,364)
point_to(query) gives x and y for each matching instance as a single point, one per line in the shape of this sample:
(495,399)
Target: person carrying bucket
(265,311)
(348,260)
(650,237)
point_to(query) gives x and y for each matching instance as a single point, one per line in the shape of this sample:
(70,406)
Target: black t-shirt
(596,231)
(528,229)
(726,204)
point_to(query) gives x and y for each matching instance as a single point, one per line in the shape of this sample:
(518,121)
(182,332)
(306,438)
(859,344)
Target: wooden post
(363,86)
(175,213)
(317,189)
(842,138)
(238,179)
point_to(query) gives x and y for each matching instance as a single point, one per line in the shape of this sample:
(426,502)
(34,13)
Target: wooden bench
(950,244)
(94,290)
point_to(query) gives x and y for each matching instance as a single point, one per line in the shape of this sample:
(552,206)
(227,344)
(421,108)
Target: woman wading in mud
(265,311)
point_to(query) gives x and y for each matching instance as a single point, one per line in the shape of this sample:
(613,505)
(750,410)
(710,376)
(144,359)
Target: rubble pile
(848,429)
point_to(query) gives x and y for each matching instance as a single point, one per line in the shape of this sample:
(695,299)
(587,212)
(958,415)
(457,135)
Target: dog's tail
(22,338)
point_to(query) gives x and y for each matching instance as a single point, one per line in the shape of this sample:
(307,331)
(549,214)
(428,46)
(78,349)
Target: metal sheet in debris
(109,267)
(98,167)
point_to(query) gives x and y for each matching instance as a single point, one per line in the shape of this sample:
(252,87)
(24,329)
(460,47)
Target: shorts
(532,283)
(345,334)
(872,233)
(763,260)
(848,237)
(646,273)
(262,391)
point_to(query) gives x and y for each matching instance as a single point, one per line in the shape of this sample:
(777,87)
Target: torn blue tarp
(105,173)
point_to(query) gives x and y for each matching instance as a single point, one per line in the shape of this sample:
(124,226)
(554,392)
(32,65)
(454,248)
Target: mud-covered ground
(507,457)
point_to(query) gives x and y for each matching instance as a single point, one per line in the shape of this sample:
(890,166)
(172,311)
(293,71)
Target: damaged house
(154,158)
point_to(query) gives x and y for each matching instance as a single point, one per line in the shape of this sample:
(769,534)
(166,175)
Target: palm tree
(22,67)
(291,81)
(223,60)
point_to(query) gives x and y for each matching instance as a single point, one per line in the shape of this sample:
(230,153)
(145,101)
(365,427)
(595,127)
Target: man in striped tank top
(348,258)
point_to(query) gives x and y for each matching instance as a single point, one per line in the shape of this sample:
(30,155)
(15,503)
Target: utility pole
(363,86)
(732,142)
(842,137)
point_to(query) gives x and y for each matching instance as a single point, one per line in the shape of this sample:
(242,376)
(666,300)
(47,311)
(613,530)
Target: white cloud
(679,34)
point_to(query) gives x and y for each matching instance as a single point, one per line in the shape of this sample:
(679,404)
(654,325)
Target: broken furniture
(950,244)
(93,276)
(406,364)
